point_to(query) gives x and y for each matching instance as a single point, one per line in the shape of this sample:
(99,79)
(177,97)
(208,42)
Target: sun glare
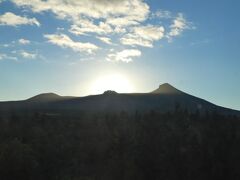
(115,82)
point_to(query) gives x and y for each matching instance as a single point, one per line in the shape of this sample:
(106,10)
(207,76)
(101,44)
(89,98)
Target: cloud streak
(11,19)
(178,25)
(126,55)
(105,40)
(125,11)
(5,57)
(128,23)
(65,41)
(24,41)
(28,55)
(162,14)
(143,36)
(87,26)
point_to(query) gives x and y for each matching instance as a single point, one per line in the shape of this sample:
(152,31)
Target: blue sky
(74,47)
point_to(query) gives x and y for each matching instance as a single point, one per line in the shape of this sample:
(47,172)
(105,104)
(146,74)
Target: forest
(175,145)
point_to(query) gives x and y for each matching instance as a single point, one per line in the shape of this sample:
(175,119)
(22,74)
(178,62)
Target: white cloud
(104,19)
(134,40)
(28,55)
(2,56)
(126,55)
(150,32)
(162,14)
(60,29)
(113,15)
(5,56)
(5,45)
(105,40)
(179,25)
(11,19)
(87,26)
(127,10)
(122,21)
(64,41)
(24,41)
(120,30)
(143,36)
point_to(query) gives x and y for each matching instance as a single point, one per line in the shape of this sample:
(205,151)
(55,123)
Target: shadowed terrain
(163,99)
(166,134)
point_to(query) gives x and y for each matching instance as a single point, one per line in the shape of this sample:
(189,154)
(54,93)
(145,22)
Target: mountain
(166,89)
(144,136)
(46,97)
(164,99)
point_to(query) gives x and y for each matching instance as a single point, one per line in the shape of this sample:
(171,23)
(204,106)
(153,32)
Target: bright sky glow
(115,82)
(69,47)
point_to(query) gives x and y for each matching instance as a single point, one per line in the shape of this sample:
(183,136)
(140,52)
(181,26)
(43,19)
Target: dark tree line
(149,146)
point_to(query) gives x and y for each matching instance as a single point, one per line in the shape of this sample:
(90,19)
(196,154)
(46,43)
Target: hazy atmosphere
(86,47)
(119,90)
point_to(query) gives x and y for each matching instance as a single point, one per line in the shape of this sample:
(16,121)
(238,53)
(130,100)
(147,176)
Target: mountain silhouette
(163,134)
(166,89)
(45,97)
(164,99)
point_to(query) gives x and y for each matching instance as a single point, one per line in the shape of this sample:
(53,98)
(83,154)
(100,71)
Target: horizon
(164,88)
(47,46)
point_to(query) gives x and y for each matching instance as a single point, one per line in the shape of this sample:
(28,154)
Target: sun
(115,82)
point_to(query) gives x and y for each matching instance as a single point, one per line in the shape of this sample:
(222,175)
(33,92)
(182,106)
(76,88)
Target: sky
(84,47)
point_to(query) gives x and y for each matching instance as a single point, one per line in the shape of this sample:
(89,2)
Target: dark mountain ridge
(164,99)
(163,134)
(45,97)
(166,89)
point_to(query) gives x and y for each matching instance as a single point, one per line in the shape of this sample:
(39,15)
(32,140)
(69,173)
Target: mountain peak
(166,88)
(45,97)
(110,92)
(166,85)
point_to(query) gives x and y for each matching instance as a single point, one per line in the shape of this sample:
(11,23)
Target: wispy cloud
(6,57)
(143,36)
(86,26)
(115,11)
(5,45)
(28,55)
(93,16)
(11,19)
(24,41)
(127,23)
(65,41)
(178,25)
(2,56)
(162,14)
(126,55)
(105,40)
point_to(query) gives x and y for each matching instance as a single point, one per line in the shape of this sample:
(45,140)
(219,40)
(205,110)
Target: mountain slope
(166,89)
(53,137)
(46,97)
(164,99)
